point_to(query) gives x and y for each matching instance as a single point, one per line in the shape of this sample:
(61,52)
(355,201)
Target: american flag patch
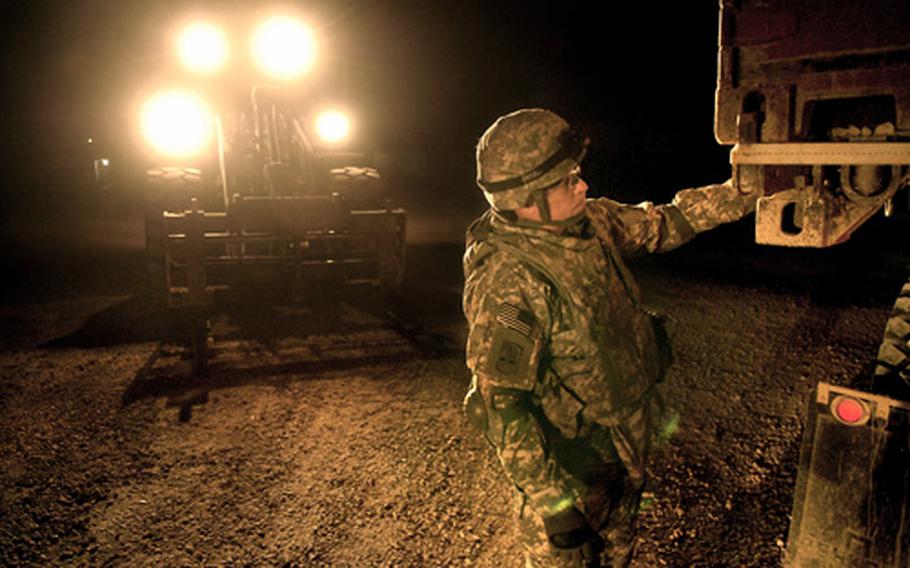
(517,320)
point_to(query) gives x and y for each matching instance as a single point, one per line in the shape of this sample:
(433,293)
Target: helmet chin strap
(543,206)
(539,199)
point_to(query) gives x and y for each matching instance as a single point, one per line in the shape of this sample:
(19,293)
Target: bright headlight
(283,47)
(202,48)
(333,126)
(176,123)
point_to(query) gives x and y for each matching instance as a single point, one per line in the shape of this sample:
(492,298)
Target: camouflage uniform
(565,357)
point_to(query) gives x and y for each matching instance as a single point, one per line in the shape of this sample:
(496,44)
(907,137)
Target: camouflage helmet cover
(524,152)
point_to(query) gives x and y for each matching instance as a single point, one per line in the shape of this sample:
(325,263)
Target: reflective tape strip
(822,154)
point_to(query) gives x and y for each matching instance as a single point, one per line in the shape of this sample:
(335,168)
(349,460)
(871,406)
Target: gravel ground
(334,436)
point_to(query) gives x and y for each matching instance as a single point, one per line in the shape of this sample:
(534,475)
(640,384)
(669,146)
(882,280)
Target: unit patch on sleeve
(513,344)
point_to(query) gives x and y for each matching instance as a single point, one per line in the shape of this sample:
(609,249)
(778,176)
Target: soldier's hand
(750,201)
(574,542)
(585,556)
(749,198)
(709,206)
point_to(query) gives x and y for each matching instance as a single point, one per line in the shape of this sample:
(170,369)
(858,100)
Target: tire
(166,189)
(892,370)
(361,187)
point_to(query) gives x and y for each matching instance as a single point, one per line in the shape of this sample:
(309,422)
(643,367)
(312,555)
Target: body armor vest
(602,355)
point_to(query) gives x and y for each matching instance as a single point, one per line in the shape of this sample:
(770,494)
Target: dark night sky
(426,78)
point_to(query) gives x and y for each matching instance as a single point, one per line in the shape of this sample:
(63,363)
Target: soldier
(563,353)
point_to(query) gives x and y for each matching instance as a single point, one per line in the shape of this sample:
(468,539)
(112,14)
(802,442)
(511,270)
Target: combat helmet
(524,153)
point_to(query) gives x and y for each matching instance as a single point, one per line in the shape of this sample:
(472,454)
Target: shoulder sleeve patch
(514,343)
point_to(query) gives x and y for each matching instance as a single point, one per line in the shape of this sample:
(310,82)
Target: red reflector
(849,410)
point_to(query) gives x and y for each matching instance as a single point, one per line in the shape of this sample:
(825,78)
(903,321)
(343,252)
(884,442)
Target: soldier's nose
(581,186)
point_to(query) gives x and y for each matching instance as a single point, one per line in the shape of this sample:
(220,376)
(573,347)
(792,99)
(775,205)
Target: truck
(250,192)
(814,97)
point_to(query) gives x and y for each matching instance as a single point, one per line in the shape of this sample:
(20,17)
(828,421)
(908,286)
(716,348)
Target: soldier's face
(568,198)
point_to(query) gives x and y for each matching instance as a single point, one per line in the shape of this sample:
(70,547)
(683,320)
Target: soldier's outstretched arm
(647,228)
(713,205)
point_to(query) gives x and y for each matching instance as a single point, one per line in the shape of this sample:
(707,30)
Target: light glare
(333,126)
(176,123)
(283,47)
(202,48)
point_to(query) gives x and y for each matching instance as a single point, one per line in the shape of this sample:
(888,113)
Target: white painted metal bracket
(822,153)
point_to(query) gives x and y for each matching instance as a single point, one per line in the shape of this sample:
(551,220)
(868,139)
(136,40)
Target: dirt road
(334,436)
